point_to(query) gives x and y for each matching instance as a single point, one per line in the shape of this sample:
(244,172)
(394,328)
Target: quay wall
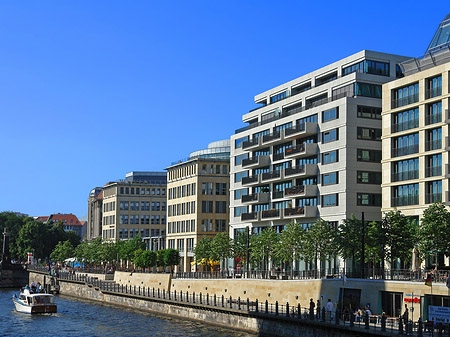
(229,318)
(13,278)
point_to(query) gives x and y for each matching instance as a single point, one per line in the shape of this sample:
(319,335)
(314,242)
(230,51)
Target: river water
(86,318)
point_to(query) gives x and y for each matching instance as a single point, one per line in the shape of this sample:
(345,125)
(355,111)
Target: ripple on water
(89,319)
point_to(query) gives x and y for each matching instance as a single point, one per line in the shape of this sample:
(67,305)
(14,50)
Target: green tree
(320,242)
(33,237)
(160,258)
(289,248)
(13,223)
(263,247)
(433,230)
(240,246)
(203,249)
(349,240)
(171,257)
(63,250)
(221,247)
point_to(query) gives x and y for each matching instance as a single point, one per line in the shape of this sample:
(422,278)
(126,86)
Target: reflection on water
(86,318)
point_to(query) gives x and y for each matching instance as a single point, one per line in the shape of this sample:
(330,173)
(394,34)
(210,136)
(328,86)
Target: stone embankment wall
(13,278)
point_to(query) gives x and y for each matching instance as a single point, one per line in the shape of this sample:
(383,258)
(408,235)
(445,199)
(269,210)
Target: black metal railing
(272,136)
(272,213)
(250,179)
(405,201)
(297,128)
(294,211)
(250,142)
(278,156)
(293,150)
(249,216)
(270,175)
(295,190)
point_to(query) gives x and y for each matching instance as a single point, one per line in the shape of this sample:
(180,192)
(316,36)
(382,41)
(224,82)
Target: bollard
(276,308)
(164,293)
(207,299)
(215,300)
(193,297)
(383,322)
(267,307)
(175,295)
(299,311)
(366,320)
(153,292)
(135,290)
(248,304)
(336,318)
(139,290)
(231,303)
(158,293)
(420,328)
(323,314)
(223,301)
(200,298)
(239,303)
(168,293)
(256,305)
(287,309)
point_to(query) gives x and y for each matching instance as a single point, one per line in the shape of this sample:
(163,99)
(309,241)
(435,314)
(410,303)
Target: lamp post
(363,253)
(248,249)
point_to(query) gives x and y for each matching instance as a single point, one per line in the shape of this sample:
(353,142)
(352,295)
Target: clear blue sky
(91,90)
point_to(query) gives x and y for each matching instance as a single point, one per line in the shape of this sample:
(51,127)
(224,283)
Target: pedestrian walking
(311,309)
(329,308)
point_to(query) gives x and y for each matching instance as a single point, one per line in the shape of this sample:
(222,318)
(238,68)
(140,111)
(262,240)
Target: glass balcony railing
(433,145)
(433,92)
(405,201)
(406,175)
(273,213)
(396,103)
(408,125)
(405,150)
(433,171)
(433,118)
(433,197)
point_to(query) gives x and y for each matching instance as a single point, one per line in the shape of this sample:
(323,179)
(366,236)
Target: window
(301,88)
(434,87)
(221,206)
(329,115)
(240,210)
(368,199)
(373,156)
(224,169)
(434,139)
(330,178)
(278,97)
(121,190)
(368,112)
(433,165)
(433,191)
(405,120)
(367,66)
(329,200)
(330,136)
(193,225)
(368,90)
(369,133)
(238,176)
(367,177)
(238,142)
(404,145)
(405,170)
(405,95)
(239,193)
(433,113)
(207,225)
(220,225)
(405,195)
(326,78)
(207,188)
(207,207)
(221,188)
(330,157)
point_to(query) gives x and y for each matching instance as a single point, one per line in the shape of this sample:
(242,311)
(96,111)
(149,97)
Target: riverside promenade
(263,317)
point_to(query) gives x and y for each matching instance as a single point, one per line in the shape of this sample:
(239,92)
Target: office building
(95,214)
(198,198)
(313,148)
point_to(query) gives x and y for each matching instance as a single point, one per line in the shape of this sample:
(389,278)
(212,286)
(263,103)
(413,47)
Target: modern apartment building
(313,148)
(95,214)
(415,130)
(136,205)
(198,199)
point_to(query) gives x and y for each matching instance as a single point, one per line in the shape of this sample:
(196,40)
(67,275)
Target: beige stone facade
(95,214)
(197,205)
(415,140)
(132,208)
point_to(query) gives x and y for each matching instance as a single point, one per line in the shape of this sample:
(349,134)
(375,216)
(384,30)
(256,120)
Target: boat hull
(34,309)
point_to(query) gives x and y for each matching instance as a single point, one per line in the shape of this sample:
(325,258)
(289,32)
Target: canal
(86,318)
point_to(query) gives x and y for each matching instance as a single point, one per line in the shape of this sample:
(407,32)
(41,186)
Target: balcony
(301,212)
(251,143)
(433,171)
(447,117)
(252,180)
(257,161)
(433,197)
(433,145)
(278,156)
(408,125)
(302,150)
(256,198)
(272,213)
(277,194)
(405,201)
(253,216)
(273,175)
(405,175)
(307,170)
(405,150)
(396,103)
(301,130)
(433,92)
(276,136)
(300,191)
(433,119)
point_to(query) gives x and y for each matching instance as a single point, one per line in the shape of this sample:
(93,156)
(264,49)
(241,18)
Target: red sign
(413,300)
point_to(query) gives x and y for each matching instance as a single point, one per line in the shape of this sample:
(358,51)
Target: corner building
(415,131)
(198,199)
(136,205)
(313,148)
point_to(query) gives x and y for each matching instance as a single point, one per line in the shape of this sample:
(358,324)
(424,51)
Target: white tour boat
(34,303)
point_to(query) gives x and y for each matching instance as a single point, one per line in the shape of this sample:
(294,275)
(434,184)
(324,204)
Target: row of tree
(393,239)
(28,235)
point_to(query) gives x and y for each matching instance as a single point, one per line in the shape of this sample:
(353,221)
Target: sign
(439,314)
(412,300)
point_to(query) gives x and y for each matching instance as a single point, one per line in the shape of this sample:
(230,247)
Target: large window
(373,156)
(329,200)
(330,157)
(369,133)
(433,191)
(404,145)
(221,188)
(434,139)
(207,188)
(405,95)
(239,193)
(207,207)
(221,206)
(330,114)
(330,136)
(368,66)
(330,178)
(405,195)
(368,90)
(405,169)
(434,87)
(368,177)
(433,113)
(238,176)
(405,120)
(238,142)
(368,112)
(433,165)
(368,199)
(278,97)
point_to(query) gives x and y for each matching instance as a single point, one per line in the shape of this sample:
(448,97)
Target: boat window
(29,300)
